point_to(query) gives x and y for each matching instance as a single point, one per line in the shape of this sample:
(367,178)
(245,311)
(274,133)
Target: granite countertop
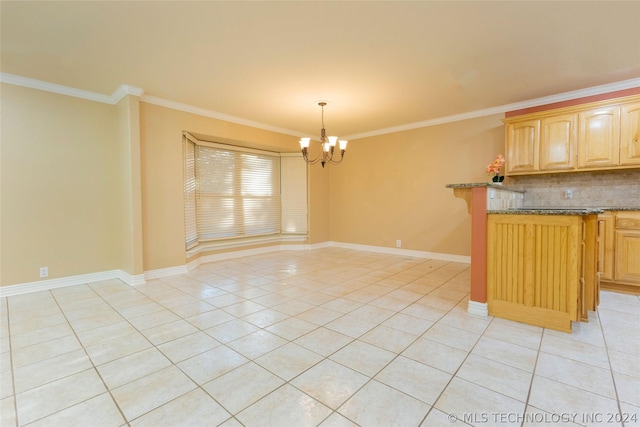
(548,211)
(624,208)
(483,184)
(561,211)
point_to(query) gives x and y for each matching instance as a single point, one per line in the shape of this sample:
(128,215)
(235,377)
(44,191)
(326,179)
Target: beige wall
(90,187)
(128,140)
(162,199)
(319,203)
(61,198)
(392,187)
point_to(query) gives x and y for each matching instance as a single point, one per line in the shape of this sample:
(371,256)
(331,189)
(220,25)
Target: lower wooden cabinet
(606,245)
(619,251)
(628,256)
(541,269)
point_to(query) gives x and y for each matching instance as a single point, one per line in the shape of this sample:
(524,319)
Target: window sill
(240,243)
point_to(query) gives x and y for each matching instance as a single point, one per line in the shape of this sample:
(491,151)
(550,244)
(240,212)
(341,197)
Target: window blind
(294,194)
(191,231)
(236,193)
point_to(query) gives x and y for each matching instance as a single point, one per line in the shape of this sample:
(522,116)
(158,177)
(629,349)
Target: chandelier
(328,145)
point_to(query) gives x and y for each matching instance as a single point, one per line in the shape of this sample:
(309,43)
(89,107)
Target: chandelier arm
(305,156)
(335,162)
(312,162)
(332,153)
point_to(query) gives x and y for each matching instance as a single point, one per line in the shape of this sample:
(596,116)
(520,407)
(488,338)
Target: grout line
(456,372)
(533,374)
(613,378)
(13,377)
(337,350)
(304,276)
(95,368)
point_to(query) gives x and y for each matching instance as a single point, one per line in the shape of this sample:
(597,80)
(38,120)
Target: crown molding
(215,115)
(55,88)
(565,96)
(124,90)
(112,99)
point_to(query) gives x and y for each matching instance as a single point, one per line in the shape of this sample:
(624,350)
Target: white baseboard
(133,280)
(43,285)
(130,279)
(404,252)
(478,308)
(165,272)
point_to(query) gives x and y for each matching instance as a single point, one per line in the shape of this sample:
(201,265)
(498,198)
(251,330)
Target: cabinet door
(599,138)
(628,256)
(630,134)
(606,235)
(558,142)
(523,144)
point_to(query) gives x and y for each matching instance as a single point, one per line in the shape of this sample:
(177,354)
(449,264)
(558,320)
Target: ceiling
(379,64)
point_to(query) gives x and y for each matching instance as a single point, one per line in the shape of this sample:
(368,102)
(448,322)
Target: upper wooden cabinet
(541,145)
(523,142)
(599,137)
(630,134)
(596,136)
(558,142)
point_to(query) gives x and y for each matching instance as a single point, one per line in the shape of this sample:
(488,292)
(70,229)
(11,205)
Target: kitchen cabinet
(523,146)
(630,134)
(628,256)
(599,138)
(558,142)
(619,250)
(596,136)
(606,245)
(539,145)
(541,269)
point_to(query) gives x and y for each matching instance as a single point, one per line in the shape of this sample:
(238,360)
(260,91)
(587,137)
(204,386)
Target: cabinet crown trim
(614,102)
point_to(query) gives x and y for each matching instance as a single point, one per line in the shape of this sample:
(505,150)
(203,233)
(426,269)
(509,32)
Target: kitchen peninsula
(537,266)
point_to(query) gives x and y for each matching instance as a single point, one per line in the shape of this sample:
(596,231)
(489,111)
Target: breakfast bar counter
(533,265)
(542,265)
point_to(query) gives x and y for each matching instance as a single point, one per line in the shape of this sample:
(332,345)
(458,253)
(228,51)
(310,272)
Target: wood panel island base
(542,266)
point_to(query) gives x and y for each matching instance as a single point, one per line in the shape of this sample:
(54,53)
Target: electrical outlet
(44,271)
(568,194)
(398,243)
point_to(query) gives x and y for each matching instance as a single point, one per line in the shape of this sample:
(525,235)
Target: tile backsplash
(500,199)
(589,189)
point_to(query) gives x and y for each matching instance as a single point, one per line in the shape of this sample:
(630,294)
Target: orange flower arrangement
(495,167)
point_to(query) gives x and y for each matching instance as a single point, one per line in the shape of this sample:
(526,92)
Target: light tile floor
(329,337)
